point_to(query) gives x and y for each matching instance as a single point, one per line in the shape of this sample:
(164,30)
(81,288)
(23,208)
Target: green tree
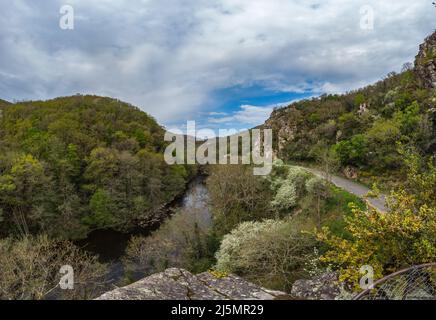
(101,208)
(236,195)
(352,152)
(22,193)
(327,158)
(348,124)
(382,139)
(318,188)
(408,119)
(359,99)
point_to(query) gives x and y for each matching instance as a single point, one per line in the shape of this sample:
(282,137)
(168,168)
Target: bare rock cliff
(425,62)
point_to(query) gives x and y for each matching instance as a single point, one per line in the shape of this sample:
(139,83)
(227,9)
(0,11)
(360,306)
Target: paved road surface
(354,188)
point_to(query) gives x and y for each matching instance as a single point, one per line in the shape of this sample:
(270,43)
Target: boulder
(179,284)
(323,287)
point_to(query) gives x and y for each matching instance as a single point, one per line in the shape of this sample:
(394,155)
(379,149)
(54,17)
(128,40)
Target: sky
(223,63)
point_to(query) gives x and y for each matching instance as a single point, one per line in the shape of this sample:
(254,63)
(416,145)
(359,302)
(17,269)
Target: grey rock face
(323,287)
(179,284)
(425,62)
(281,121)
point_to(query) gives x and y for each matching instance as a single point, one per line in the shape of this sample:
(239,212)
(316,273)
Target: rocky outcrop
(425,62)
(350,173)
(363,108)
(323,287)
(179,284)
(284,126)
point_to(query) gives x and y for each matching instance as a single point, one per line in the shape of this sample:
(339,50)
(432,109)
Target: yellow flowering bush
(404,236)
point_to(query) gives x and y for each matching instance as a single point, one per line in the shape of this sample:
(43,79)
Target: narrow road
(357,189)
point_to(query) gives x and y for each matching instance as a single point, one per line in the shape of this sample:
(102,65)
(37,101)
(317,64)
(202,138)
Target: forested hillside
(360,130)
(3,104)
(74,164)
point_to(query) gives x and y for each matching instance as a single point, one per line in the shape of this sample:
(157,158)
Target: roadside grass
(333,212)
(338,207)
(333,209)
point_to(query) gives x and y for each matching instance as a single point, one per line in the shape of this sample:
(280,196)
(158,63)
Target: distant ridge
(4,102)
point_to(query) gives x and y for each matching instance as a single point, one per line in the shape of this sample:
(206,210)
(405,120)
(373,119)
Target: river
(110,245)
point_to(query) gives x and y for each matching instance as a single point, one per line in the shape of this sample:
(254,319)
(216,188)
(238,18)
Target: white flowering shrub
(229,256)
(298,177)
(278,163)
(289,190)
(272,253)
(286,196)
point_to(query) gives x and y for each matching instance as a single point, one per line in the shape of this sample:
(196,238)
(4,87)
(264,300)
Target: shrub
(286,196)
(30,269)
(359,99)
(184,241)
(319,189)
(236,195)
(404,236)
(352,151)
(290,190)
(271,252)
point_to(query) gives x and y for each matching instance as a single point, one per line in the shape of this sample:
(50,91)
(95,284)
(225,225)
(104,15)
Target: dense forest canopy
(74,164)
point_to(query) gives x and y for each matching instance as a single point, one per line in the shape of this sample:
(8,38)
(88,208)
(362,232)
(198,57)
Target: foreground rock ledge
(179,284)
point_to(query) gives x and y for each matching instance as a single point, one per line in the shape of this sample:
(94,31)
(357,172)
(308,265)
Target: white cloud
(247,115)
(170,57)
(253,115)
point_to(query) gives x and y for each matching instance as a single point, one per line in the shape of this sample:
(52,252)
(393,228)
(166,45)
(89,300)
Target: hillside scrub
(360,128)
(181,242)
(30,269)
(236,195)
(276,250)
(272,253)
(403,237)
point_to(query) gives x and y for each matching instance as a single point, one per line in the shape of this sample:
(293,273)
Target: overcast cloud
(181,59)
